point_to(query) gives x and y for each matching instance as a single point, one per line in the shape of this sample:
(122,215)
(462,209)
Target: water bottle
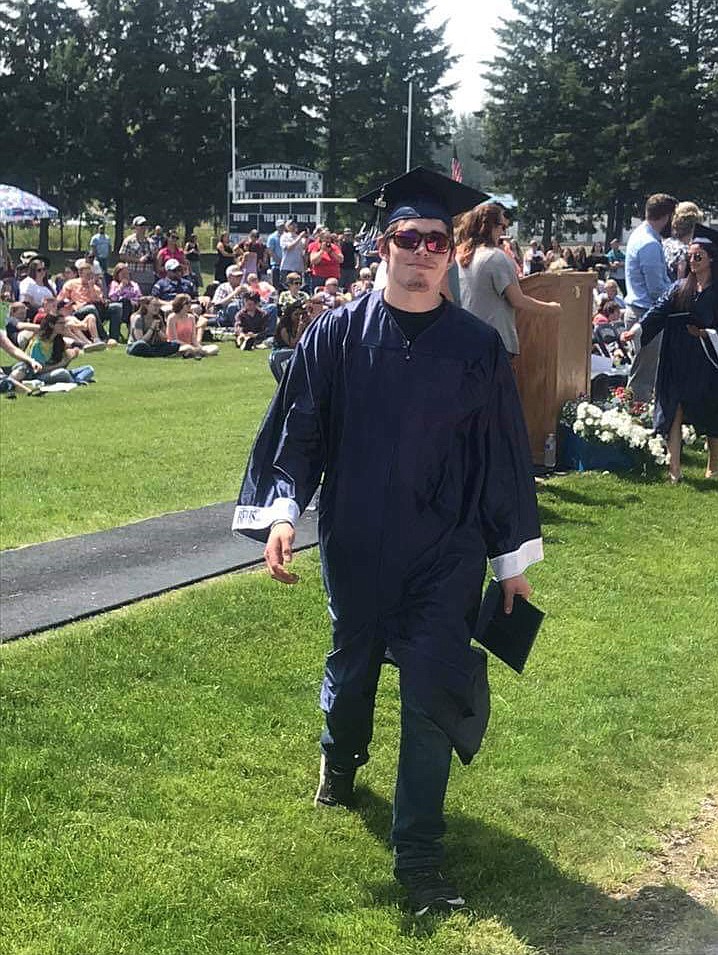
(549,451)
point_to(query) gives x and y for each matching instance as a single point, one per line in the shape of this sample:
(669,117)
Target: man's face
(140,231)
(418,270)
(331,286)
(234,279)
(291,227)
(614,245)
(174,274)
(86,273)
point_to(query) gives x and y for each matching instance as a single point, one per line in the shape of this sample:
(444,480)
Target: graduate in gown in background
(407,405)
(687,379)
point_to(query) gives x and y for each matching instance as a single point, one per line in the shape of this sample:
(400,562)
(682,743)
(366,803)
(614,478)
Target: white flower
(688,433)
(579,427)
(606,437)
(581,410)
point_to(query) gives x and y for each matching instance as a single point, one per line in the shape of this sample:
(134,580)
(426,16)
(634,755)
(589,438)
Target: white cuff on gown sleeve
(516,562)
(713,341)
(250,518)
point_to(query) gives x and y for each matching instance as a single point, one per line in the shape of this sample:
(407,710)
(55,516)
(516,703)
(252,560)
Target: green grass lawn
(158,762)
(151,436)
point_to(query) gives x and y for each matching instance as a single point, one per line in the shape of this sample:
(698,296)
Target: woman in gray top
(488,282)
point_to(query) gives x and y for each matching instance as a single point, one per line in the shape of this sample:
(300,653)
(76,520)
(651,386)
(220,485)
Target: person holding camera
(148,332)
(293,244)
(325,260)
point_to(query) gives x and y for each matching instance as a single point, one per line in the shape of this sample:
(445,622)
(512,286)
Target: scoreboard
(273,186)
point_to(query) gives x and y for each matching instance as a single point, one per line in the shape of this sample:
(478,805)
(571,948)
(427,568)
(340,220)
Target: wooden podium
(555,361)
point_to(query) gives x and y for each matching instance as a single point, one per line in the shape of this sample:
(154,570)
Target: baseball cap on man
(233,270)
(279,223)
(139,220)
(171,265)
(27,257)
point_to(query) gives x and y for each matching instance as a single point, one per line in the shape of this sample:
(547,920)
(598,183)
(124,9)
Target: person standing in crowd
(534,259)
(350,260)
(687,379)
(170,250)
(137,253)
(157,240)
(488,285)
(274,251)
(616,259)
(408,407)
(100,245)
(675,247)
(646,281)
(192,255)
(225,257)
(325,260)
(293,244)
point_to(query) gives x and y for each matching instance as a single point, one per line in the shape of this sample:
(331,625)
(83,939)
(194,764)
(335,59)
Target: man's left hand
(513,586)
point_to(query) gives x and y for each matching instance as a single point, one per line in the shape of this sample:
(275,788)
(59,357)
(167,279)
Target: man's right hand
(278,552)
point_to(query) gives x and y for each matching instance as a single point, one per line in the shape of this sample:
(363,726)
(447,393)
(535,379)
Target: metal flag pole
(233,101)
(408,126)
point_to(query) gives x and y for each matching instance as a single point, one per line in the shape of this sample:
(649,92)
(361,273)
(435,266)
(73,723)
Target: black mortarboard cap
(705,233)
(423,194)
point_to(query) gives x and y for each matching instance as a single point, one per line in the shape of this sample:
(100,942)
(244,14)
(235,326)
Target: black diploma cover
(508,636)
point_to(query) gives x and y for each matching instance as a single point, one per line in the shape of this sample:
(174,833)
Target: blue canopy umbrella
(19,206)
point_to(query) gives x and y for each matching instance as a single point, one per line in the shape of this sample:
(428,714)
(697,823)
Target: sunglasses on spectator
(410,239)
(695,256)
(294,282)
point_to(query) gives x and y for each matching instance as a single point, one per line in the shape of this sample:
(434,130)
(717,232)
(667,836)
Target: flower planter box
(577,454)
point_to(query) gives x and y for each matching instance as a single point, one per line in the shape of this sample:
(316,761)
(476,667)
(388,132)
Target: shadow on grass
(508,879)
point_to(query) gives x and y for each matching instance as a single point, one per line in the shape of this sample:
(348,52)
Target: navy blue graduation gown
(427,471)
(687,367)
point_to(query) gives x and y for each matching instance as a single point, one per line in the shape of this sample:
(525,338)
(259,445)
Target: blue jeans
(424,750)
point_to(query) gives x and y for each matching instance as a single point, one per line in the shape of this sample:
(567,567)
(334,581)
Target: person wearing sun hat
(406,404)
(687,376)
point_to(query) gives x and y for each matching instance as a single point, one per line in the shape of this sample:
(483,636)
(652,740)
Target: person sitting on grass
(227,298)
(87,298)
(148,333)
(292,323)
(173,283)
(10,385)
(17,322)
(293,292)
(125,291)
(250,325)
(69,272)
(330,295)
(364,283)
(36,286)
(182,327)
(609,313)
(79,332)
(48,349)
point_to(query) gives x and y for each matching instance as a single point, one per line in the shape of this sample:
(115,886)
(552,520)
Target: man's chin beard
(417,284)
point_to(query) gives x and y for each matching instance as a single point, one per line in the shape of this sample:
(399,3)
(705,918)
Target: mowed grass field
(158,762)
(149,437)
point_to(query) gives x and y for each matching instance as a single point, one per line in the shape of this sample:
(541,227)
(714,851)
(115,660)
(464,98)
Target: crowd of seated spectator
(151,299)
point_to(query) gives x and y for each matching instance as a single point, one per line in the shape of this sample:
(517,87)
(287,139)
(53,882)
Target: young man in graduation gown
(407,405)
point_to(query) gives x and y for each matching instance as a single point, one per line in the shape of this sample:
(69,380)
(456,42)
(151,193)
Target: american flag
(457,172)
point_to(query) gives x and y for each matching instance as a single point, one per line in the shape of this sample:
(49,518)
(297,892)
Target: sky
(469,33)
